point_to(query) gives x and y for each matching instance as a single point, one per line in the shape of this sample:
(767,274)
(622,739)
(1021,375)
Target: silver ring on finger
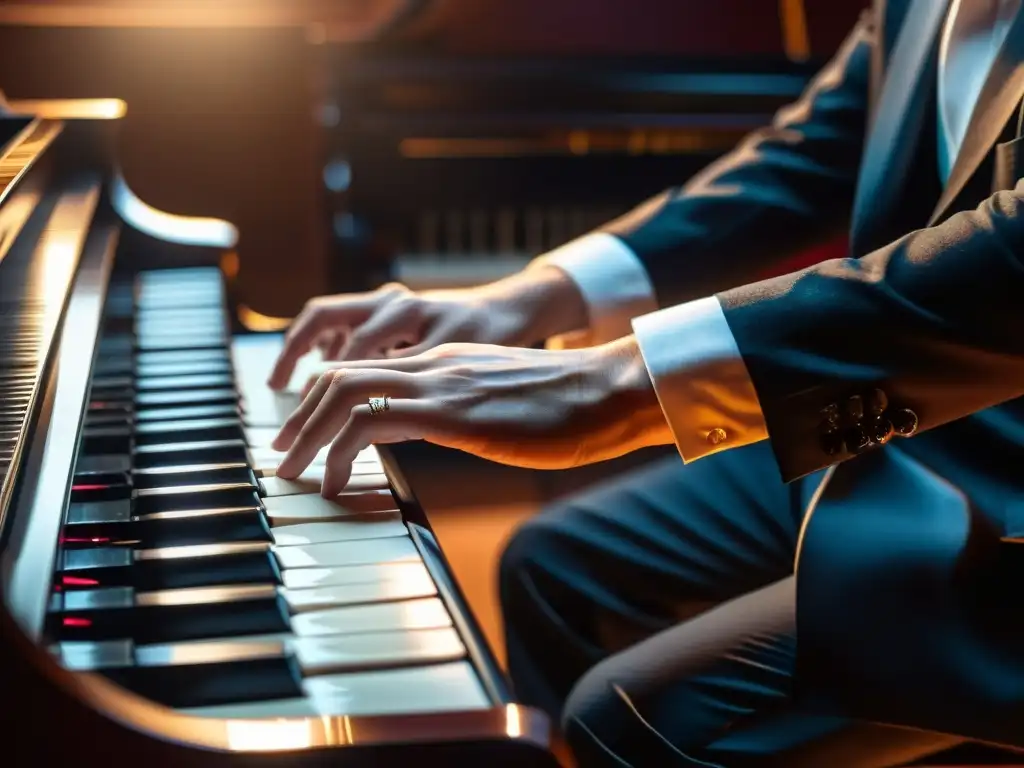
(379,405)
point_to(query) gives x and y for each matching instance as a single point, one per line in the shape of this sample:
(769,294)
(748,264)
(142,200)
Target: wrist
(631,394)
(546,299)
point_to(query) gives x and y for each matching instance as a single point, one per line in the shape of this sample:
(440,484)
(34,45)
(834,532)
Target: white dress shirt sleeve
(613,282)
(700,378)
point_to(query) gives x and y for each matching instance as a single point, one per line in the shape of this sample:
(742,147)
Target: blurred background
(437,142)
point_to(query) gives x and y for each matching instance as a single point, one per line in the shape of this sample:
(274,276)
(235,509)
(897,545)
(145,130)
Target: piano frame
(60,714)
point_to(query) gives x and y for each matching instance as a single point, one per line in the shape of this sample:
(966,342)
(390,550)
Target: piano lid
(40,242)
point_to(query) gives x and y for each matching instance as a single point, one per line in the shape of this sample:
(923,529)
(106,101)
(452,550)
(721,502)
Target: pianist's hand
(521,310)
(526,407)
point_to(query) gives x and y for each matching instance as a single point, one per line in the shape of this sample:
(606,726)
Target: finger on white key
(266,460)
(425,613)
(305,485)
(396,549)
(380,526)
(352,575)
(312,507)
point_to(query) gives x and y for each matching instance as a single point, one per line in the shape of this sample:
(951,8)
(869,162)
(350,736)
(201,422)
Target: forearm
(780,191)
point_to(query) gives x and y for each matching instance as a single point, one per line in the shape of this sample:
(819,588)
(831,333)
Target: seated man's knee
(604,726)
(598,721)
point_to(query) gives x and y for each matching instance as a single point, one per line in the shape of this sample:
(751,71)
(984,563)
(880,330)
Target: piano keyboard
(189,573)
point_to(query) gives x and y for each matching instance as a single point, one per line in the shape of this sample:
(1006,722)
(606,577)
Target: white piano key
(265,460)
(397,549)
(451,687)
(356,575)
(320,598)
(304,485)
(318,655)
(312,507)
(331,655)
(267,455)
(254,356)
(260,437)
(268,408)
(424,613)
(256,710)
(380,526)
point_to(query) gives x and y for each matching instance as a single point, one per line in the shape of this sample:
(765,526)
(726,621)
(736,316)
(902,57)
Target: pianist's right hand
(393,321)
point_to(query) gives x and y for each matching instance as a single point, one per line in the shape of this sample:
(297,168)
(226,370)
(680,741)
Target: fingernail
(328,490)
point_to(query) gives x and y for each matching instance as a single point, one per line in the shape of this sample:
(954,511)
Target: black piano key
(163,399)
(193,474)
(116,439)
(114,366)
(188,357)
(217,411)
(177,342)
(197,329)
(110,613)
(242,493)
(179,568)
(193,452)
(184,368)
(119,345)
(112,382)
(207,674)
(109,417)
(189,381)
(101,488)
(108,485)
(188,430)
(87,513)
(115,522)
(102,464)
(173,316)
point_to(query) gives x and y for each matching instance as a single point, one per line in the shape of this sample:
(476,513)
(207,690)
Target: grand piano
(163,596)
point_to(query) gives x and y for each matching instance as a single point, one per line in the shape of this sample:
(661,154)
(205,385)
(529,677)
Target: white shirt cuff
(700,378)
(613,282)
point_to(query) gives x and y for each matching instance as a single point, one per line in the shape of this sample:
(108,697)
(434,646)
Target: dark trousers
(655,616)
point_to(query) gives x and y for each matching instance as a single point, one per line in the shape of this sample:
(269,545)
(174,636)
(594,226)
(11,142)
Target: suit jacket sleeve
(782,190)
(933,321)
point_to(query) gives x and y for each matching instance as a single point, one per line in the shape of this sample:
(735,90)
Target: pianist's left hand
(527,407)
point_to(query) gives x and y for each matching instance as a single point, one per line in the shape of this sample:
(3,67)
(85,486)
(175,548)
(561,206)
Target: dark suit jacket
(910,608)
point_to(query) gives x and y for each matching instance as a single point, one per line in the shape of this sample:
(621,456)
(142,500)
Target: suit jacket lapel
(898,116)
(999,99)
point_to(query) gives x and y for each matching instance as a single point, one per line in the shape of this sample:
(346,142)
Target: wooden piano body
(110,311)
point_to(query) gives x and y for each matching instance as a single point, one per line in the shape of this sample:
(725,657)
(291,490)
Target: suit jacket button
(832,442)
(855,408)
(877,402)
(856,439)
(880,430)
(904,422)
